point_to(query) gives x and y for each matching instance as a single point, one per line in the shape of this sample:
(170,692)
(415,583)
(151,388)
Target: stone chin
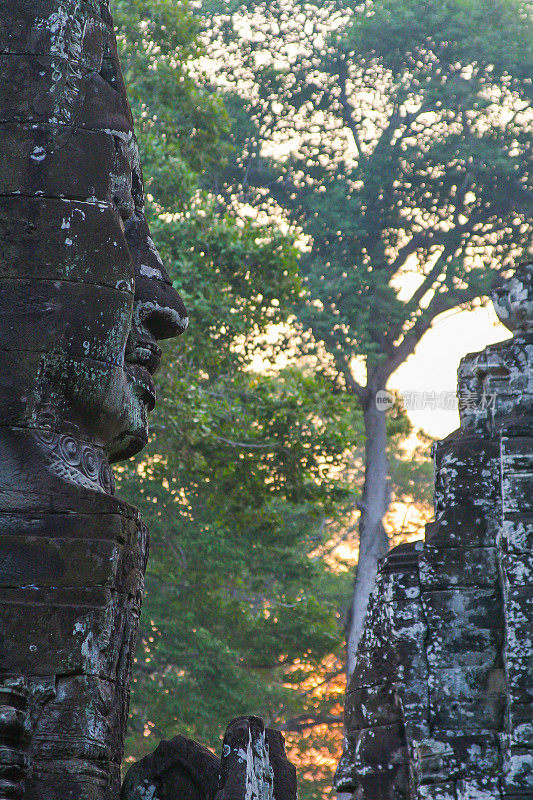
(124,404)
(108,404)
(137,402)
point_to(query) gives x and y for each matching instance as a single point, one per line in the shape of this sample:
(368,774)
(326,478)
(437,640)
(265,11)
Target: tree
(244,467)
(394,134)
(235,486)
(178,123)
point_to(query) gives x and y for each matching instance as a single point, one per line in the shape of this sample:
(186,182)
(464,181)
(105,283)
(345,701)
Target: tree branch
(435,270)
(439,304)
(354,387)
(272,446)
(416,242)
(347,110)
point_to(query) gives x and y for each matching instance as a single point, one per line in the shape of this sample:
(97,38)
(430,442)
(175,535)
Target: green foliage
(245,464)
(402,132)
(178,122)
(234,486)
(236,279)
(405,35)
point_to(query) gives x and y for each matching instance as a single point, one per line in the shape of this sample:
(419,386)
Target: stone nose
(122,197)
(124,204)
(158,308)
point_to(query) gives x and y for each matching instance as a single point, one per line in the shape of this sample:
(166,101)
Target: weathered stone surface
(83,300)
(458,566)
(177,768)
(48,325)
(36,166)
(446,659)
(53,239)
(254,766)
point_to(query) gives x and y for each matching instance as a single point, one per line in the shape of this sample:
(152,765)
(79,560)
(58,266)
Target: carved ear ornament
(76,461)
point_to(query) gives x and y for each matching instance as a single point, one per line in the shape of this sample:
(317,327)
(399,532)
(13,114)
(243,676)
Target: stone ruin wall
(440,703)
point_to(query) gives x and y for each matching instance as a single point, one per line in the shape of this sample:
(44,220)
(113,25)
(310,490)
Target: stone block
(444,568)
(517,454)
(55,562)
(518,569)
(478,609)
(38,89)
(406,658)
(402,620)
(467,647)
(81,630)
(518,770)
(50,328)
(520,722)
(43,27)
(72,779)
(101,527)
(444,757)
(89,379)
(478,788)
(517,534)
(37,162)
(37,237)
(460,527)
(517,491)
(438,791)
(373,705)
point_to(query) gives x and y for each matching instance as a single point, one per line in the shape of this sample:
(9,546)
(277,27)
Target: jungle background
(324,180)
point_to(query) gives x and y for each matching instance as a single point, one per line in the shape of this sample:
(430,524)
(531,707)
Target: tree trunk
(373,541)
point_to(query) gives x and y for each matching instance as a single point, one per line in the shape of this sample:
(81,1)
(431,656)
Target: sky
(428,379)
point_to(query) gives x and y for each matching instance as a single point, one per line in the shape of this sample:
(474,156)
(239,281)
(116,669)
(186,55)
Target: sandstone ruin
(440,703)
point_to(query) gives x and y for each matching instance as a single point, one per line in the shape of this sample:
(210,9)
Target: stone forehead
(60,65)
(50,27)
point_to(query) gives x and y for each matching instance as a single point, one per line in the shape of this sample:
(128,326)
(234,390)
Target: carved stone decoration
(254,766)
(84,298)
(177,768)
(440,703)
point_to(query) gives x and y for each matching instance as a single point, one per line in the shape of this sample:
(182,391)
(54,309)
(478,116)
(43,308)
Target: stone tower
(83,300)
(440,703)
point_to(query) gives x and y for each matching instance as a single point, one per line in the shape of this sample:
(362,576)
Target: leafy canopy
(395,136)
(244,466)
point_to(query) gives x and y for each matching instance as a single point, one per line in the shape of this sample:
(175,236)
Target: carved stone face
(80,278)
(513,301)
(83,300)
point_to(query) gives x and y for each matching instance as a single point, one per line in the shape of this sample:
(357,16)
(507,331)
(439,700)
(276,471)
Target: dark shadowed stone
(285,786)
(254,766)
(179,768)
(37,243)
(38,157)
(84,298)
